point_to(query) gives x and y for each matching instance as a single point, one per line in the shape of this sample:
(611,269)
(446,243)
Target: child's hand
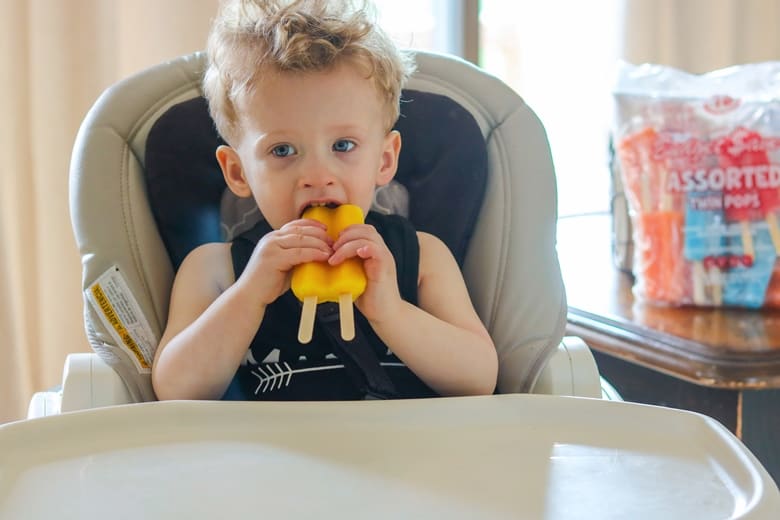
(363,241)
(297,242)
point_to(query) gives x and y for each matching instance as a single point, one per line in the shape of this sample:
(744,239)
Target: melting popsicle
(318,282)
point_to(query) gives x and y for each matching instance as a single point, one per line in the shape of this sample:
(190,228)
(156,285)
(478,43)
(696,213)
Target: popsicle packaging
(318,282)
(700,160)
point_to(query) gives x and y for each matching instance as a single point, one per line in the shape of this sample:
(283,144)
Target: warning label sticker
(120,313)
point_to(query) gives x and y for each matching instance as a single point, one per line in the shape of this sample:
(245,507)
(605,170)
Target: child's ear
(390,151)
(232,170)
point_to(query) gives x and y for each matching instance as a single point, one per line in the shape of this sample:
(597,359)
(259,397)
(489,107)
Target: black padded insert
(443,165)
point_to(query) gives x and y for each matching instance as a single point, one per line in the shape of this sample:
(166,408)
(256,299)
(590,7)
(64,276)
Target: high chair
(475,170)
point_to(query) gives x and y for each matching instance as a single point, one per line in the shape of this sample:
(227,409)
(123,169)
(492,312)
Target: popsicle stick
(747,240)
(306,328)
(699,282)
(774,230)
(346,317)
(716,283)
(665,200)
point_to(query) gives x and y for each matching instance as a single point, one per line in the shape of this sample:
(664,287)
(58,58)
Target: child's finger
(306,227)
(295,257)
(363,249)
(357,232)
(364,252)
(304,241)
(304,222)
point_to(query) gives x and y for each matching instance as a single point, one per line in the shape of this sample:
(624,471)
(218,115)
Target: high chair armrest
(571,370)
(87,382)
(45,403)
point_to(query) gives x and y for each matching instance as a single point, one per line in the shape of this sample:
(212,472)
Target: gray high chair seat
(505,240)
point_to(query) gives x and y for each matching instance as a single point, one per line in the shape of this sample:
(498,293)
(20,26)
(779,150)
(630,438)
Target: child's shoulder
(432,247)
(208,251)
(212,261)
(438,271)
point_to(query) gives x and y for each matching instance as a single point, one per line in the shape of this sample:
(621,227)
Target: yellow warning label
(113,319)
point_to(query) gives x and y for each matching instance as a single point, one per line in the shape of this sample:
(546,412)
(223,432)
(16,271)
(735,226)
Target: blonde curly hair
(250,37)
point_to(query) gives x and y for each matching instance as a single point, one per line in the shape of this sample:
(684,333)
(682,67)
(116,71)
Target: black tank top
(279,368)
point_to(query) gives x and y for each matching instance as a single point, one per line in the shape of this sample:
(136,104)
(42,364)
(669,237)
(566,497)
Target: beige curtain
(701,35)
(57,57)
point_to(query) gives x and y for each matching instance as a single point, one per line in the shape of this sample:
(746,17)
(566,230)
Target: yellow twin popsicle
(317,282)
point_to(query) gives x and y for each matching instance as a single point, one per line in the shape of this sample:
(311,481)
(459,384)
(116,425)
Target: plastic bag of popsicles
(700,161)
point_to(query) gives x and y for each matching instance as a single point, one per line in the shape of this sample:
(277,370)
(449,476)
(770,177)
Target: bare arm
(443,340)
(211,322)
(213,317)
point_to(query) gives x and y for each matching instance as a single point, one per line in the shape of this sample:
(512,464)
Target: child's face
(311,138)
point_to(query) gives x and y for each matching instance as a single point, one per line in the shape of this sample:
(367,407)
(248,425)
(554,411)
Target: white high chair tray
(511,456)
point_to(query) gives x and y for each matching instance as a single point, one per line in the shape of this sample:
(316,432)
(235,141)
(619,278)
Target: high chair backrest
(475,165)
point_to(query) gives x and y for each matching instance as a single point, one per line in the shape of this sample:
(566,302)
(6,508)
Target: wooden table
(724,363)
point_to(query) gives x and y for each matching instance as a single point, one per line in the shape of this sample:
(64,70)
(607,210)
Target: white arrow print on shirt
(274,376)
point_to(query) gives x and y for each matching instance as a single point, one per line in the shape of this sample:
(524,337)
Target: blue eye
(343,145)
(283,150)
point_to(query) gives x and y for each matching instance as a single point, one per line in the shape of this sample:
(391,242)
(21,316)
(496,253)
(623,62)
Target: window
(422,24)
(559,55)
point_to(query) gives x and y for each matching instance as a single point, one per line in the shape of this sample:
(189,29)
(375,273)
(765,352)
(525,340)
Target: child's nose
(316,174)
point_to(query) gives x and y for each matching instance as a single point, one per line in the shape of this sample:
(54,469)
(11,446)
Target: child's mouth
(328,204)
